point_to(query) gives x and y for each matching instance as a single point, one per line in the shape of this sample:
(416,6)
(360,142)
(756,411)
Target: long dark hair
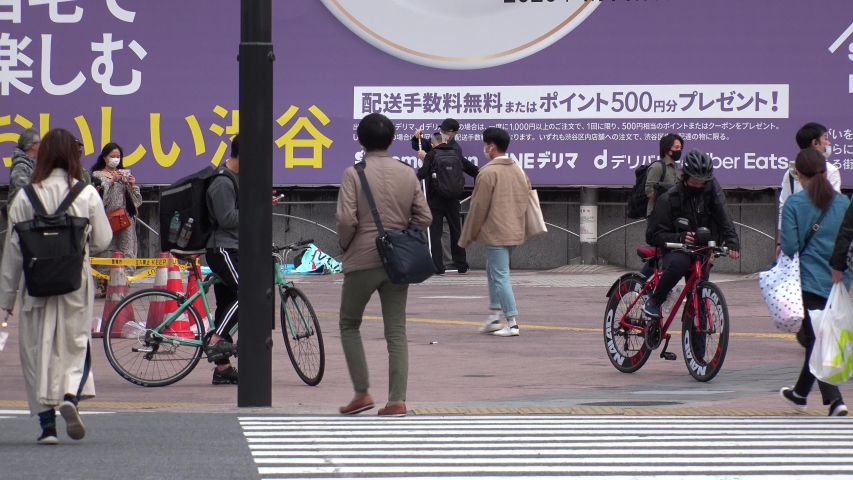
(811,164)
(58,149)
(101,163)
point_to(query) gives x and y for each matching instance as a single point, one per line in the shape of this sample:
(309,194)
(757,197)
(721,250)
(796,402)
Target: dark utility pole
(256,294)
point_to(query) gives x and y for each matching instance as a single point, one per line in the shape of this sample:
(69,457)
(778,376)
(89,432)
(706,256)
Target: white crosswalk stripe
(550,446)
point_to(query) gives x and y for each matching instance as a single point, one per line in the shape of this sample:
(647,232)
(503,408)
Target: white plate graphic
(460,34)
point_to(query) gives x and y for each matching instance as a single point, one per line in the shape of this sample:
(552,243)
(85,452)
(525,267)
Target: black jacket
(838,260)
(426,146)
(705,210)
(426,169)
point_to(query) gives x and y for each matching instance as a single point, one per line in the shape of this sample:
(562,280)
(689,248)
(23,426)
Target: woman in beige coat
(55,331)
(497,219)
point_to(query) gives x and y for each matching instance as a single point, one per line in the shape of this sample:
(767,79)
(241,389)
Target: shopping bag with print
(783,293)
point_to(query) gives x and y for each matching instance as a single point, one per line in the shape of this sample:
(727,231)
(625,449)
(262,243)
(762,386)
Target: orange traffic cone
(117,289)
(156,309)
(192,288)
(180,326)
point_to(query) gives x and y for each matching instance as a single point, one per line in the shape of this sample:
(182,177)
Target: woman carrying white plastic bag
(815,209)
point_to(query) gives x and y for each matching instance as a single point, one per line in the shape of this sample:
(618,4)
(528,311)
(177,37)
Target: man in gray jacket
(23,163)
(222,248)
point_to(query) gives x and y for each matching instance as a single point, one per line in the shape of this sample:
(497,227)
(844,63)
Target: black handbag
(404,254)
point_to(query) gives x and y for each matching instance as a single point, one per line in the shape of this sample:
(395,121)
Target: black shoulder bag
(405,255)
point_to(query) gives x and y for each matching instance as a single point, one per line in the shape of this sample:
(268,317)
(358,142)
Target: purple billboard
(585,88)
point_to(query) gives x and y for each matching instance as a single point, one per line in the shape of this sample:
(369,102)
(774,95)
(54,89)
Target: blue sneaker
(652,309)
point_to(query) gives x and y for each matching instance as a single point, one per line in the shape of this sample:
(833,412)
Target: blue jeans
(497,273)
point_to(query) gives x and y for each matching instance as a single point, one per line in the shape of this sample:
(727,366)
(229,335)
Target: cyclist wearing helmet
(699,198)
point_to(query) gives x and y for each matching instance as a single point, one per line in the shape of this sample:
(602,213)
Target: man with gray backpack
(443,170)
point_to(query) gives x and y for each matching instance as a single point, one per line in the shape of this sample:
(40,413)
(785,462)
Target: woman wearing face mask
(119,190)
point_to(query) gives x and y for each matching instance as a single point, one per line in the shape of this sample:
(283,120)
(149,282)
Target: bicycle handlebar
(292,246)
(696,248)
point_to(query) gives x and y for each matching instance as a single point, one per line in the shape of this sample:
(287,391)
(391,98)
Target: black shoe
(652,309)
(838,409)
(48,437)
(796,401)
(220,351)
(464,271)
(225,377)
(439,274)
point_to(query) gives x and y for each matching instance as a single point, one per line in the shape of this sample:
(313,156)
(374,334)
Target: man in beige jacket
(400,202)
(497,219)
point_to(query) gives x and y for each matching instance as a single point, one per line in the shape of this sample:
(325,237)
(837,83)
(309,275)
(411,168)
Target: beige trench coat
(53,331)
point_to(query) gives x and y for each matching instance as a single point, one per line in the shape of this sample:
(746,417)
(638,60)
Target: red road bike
(630,335)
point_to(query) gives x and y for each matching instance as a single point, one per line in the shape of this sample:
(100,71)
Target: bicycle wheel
(626,346)
(147,358)
(302,336)
(705,346)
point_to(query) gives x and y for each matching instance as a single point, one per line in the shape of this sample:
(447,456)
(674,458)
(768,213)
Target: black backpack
(638,201)
(188,197)
(53,246)
(447,180)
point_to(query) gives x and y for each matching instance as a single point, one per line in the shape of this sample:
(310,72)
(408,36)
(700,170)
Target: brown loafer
(358,404)
(393,410)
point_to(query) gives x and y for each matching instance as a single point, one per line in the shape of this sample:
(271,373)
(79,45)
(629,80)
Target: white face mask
(827,152)
(486,152)
(113,161)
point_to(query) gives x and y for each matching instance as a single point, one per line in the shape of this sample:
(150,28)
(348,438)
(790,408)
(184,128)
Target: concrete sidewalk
(557,364)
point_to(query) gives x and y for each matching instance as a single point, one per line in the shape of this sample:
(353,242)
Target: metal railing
(305,220)
(771,237)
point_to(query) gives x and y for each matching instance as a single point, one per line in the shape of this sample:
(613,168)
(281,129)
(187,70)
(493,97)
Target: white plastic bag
(783,293)
(832,357)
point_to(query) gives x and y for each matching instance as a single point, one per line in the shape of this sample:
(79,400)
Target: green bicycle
(156,337)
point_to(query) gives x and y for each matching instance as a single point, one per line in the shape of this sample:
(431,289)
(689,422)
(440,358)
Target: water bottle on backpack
(174,228)
(186,233)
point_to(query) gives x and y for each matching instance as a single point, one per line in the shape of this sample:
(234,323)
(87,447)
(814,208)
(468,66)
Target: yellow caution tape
(135,262)
(132,262)
(131,278)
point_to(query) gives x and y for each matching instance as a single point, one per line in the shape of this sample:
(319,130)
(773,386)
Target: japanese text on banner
(575,101)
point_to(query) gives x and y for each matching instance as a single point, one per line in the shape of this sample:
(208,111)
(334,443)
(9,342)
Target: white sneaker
(490,326)
(73,424)
(507,332)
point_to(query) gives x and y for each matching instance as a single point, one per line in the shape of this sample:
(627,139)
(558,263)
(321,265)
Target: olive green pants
(358,288)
